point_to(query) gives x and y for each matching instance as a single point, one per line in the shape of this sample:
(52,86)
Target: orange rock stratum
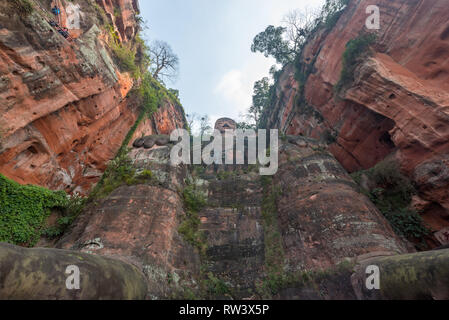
(64,105)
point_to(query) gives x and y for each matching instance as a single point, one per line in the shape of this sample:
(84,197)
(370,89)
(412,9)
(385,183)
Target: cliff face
(65,104)
(152,230)
(305,233)
(312,198)
(397,103)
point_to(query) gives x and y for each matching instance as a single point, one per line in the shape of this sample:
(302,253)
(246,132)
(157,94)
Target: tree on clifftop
(164,62)
(261,99)
(271,43)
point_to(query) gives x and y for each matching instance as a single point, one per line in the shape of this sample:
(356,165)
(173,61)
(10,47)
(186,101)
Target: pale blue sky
(213,39)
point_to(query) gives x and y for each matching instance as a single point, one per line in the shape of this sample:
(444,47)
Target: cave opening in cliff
(385,139)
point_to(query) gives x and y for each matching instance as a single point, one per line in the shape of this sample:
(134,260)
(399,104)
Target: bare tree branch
(299,23)
(164,63)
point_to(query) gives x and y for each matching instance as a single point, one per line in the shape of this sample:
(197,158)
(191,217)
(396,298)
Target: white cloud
(235,87)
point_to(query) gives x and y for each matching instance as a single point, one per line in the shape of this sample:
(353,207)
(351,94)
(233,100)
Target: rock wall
(40,274)
(65,104)
(139,224)
(397,103)
(323,221)
(322,217)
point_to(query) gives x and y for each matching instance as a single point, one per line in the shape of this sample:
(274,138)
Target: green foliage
(143,59)
(224,175)
(392,193)
(274,252)
(215,287)
(146,174)
(125,55)
(24,210)
(23,7)
(310,279)
(52,232)
(331,12)
(245,125)
(72,210)
(194,201)
(408,223)
(356,50)
(101,14)
(118,172)
(174,92)
(271,43)
(261,99)
(151,94)
(261,93)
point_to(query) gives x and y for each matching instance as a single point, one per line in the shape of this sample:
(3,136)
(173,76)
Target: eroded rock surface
(398,101)
(65,105)
(322,217)
(321,221)
(40,274)
(139,224)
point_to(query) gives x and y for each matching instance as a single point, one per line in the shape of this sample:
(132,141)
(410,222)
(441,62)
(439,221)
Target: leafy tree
(245,125)
(164,62)
(271,43)
(174,92)
(261,99)
(331,12)
(284,43)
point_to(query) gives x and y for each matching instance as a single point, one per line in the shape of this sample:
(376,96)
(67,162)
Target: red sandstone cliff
(398,102)
(64,105)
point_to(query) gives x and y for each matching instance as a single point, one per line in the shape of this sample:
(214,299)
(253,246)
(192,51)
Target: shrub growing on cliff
(24,210)
(392,192)
(119,171)
(72,210)
(356,50)
(274,252)
(150,94)
(332,11)
(189,228)
(126,57)
(23,7)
